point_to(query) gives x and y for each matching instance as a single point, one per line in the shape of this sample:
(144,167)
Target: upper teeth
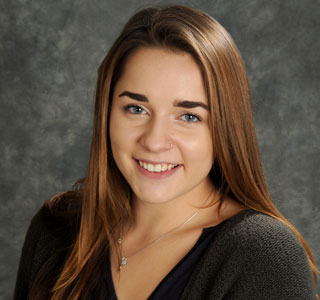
(157,167)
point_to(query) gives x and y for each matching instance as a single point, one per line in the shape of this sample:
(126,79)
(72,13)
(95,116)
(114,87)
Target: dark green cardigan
(252,256)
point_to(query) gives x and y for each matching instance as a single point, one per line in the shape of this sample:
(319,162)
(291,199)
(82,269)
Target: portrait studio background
(49,55)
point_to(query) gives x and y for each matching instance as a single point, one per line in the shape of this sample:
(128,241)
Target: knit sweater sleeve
(39,245)
(252,256)
(273,264)
(26,271)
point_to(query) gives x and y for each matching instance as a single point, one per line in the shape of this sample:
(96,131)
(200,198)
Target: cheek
(116,134)
(117,129)
(198,149)
(119,143)
(122,135)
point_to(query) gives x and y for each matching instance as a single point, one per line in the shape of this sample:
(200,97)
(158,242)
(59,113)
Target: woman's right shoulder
(51,232)
(59,217)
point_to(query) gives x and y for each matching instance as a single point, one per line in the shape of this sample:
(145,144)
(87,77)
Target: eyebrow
(177,103)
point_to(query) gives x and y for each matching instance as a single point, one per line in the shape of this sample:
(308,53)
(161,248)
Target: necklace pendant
(123,262)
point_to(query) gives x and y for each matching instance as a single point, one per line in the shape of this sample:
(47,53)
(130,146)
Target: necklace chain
(120,240)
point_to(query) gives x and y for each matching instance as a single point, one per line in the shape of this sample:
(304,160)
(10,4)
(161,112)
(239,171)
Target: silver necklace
(124,259)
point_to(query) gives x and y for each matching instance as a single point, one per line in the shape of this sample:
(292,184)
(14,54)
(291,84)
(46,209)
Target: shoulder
(253,256)
(257,230)
(254,230)
(269,257)
(61,214)
(56,223)
(51,230)
(252,233)
(58,218)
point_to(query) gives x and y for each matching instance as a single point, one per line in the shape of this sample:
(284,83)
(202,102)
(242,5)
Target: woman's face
(158,100)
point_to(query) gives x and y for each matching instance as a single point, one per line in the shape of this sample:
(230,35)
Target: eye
(133,109)
(191,118)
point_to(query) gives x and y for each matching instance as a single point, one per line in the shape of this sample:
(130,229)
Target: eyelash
(127,108)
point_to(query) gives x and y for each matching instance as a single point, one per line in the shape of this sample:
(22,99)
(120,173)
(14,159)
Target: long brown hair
(236,172)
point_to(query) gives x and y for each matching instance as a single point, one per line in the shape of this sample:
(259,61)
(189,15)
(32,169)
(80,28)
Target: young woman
(174,204)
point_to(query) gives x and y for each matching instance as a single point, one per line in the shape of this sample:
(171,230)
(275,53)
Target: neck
(155,219)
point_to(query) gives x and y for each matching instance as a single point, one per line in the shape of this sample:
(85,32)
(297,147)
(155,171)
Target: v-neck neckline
(205,230)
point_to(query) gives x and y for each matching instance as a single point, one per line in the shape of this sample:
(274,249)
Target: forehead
(158,72)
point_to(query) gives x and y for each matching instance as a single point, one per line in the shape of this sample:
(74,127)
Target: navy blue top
(172,285)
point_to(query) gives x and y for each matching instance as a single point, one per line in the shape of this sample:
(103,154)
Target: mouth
(156,167)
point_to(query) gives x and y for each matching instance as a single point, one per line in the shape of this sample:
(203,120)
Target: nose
(156,136)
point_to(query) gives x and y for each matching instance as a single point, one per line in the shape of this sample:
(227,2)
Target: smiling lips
(156,167)
(145,169)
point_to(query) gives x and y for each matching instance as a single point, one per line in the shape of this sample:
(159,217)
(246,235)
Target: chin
(154,198)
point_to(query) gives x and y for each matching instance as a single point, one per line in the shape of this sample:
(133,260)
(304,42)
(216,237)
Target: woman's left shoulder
(267,259)
(255,256)
(272,258)
(259,231)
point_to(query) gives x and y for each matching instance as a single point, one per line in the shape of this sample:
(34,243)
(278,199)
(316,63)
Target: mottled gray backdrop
(49,54)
